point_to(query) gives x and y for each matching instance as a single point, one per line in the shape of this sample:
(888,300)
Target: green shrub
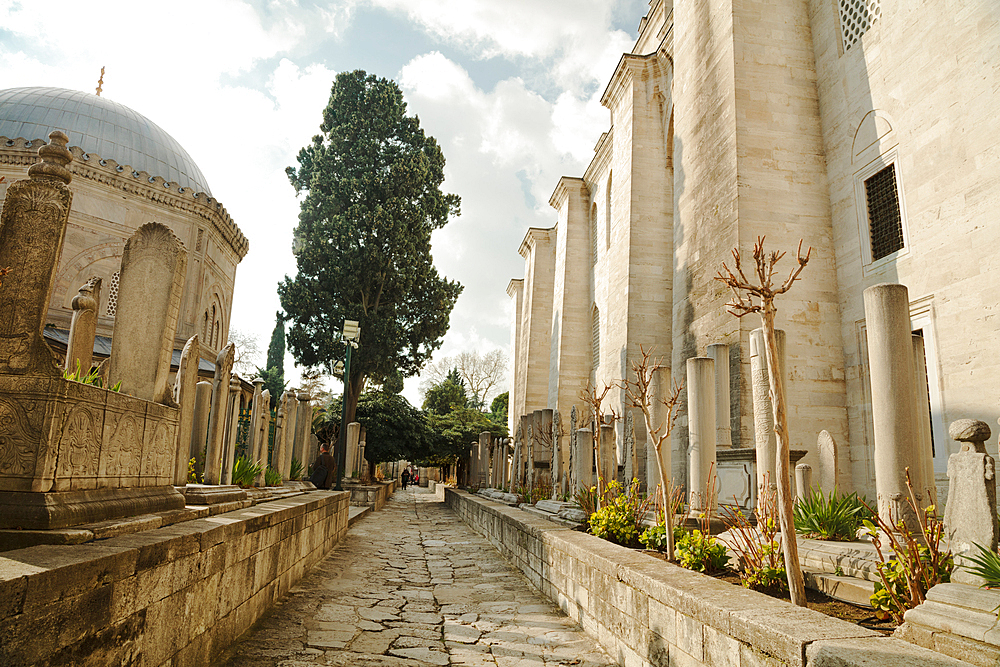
(272,477)
(757,545)
(654,538)
(835,517)
(245,472)
(700,552)
(620,514)
(295,471)
(192,472)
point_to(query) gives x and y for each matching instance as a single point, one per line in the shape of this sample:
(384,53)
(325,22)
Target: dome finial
(100,83)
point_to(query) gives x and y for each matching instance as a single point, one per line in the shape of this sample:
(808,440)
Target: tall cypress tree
(274,373)
(372,185)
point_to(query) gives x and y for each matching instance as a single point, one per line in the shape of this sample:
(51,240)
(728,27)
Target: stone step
(846,589)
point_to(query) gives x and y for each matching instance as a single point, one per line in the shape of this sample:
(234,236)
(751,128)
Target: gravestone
(571,482)
(608,469)
(291,424)
(628,448)
(803,480)
(970,517)
(278,448)
(583,460)
(303,427)
(484,460)
(217,421)
(150,286)
(701,435)
(232,429)
(826,449)
(353,438)
(723,429)
(515,460)
(83,327)
(263,429)
(185,394)
(555,465)
(199,426)
(253,431)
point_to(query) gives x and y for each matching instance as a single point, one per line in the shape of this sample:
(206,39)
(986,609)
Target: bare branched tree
(247,352)
(594,398)
(648,391)
(482,373)
(758,297)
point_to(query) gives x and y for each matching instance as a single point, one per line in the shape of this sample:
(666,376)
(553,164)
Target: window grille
(884,221)
(856,16)
(113,294)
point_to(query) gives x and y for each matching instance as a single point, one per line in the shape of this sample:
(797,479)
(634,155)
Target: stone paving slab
(411,586)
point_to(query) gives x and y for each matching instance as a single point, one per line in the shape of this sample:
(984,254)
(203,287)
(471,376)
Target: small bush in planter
(621,512)
(701,552)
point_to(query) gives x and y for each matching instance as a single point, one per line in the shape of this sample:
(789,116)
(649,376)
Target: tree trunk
(668,515)
(790,548)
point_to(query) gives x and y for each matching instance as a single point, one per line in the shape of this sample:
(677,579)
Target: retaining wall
(648,612)
(174,596)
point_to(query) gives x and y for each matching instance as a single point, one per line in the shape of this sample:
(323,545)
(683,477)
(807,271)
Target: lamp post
(350,336)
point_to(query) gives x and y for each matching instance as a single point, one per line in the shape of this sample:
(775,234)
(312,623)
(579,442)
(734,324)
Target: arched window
(595,340)
(215,336)
(214,332)
(593,232)
(607,214)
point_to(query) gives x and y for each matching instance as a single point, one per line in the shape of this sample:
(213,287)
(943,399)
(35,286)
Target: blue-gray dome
(99,126)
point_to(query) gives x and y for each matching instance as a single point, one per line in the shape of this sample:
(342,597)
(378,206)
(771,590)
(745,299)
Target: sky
(509,88)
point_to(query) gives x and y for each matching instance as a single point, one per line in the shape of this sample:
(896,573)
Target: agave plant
(272,477)
(835,517)
(245,472)
(987,566)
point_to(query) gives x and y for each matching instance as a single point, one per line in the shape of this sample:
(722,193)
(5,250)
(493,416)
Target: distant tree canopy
(372,184)
(482,374)
(446,396)
(498,408)
(394,429)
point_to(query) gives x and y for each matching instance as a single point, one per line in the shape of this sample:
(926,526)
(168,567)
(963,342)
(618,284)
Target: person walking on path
(405,478)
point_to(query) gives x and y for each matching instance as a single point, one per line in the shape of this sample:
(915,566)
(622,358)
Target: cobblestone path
(411,585)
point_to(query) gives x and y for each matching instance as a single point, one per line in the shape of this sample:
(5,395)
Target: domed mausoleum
(127,171)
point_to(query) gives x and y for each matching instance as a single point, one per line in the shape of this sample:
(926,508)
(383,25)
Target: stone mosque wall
(810,120)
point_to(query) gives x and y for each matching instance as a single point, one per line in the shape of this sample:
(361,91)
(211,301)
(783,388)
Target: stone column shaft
(763,413)
(723,429)
(701,430)
(583,460)
(890,361)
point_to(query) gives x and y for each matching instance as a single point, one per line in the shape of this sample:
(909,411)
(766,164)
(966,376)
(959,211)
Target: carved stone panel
(25,402)
(121,443)
(159,451)
(79,438)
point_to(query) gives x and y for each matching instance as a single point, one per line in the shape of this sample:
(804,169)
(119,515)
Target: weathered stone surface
(971,431)
(199,426)
(150,285)
(874,652)
(83,327)
(217,422)
(185,396)
(701,434)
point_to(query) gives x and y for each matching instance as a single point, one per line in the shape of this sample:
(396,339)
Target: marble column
(484,460)
(701,435)
(890,362)
(763,414)
(723,429)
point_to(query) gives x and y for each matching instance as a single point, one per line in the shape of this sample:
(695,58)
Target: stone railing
(176,595)
(648,612)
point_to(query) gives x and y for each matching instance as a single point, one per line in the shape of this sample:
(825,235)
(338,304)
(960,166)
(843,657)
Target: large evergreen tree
(372,183)
(273,372)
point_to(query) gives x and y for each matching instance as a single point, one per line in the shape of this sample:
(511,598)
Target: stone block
(784,633)
(690,637)
(874,652)
(721,650)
